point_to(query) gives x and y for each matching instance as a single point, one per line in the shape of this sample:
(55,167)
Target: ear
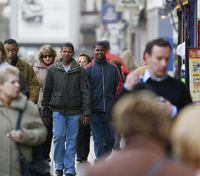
(147,58)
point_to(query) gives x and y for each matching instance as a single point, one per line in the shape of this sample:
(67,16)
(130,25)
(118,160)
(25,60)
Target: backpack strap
(17,128)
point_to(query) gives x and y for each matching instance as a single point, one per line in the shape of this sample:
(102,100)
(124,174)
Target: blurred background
(126,24)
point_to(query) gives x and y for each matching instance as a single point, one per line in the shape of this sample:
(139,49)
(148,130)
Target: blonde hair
(7,70)
(49,49)
(129,60)
(185,135)
(138,114)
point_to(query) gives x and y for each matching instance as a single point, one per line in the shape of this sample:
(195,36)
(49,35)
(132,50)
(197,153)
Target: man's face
(158,61)
(67,54)
(11,50)
(99,52)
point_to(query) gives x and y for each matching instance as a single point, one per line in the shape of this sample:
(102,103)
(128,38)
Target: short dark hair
(159,42)
(100,43)
(68,45)
(107,44)
(10,41)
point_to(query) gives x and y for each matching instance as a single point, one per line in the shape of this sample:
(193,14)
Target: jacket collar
(99,62)
(73,65)
(40,64)
(19,103)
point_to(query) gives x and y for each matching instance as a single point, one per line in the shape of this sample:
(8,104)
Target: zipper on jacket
(104,108)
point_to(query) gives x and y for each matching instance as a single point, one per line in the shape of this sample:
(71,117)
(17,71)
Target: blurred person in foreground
(145,129)
(3,62)
(66,92)
(46,57)
(174,94)
(32,131)
(83,139)
(185,136)
(27,71)
(105,83)
(129,60)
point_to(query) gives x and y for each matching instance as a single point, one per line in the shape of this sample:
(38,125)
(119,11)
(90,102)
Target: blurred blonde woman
(129,60)
(46,57)
(32,132)
(185,136)
(145,129)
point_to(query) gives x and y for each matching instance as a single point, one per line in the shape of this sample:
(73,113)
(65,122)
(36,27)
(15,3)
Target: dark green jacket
(66,92)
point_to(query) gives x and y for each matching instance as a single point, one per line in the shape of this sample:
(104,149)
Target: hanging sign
(194,74)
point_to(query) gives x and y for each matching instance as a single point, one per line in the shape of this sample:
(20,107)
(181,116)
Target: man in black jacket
(66,92)
(173,94)
(105,83)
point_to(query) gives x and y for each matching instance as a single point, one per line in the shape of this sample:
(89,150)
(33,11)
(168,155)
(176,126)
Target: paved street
(79,166)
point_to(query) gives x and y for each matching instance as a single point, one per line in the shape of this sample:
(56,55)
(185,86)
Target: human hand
(166,107)
(85,120)
(16,135)
(131,80)
(46,120)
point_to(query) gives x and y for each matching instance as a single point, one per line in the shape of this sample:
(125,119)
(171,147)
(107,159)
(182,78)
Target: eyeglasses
(81,61)
(45,56)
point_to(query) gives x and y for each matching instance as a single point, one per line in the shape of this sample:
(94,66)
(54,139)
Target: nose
(164,63)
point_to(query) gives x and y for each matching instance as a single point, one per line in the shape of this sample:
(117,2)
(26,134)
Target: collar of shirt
(148,75)
(66,68)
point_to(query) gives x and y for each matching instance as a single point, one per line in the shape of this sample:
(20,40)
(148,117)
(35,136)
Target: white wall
(151,4)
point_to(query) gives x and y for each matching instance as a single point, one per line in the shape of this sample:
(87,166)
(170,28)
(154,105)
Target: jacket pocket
(76,99)
(56,98)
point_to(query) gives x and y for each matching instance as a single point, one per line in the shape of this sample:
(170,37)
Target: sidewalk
(79,166)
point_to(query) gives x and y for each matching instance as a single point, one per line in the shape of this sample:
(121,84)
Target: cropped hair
(100,43)
(4,56)
(159,42)
(107,44)
(49,49)
(11,41)
(138,114)
(185,135)
(7,70)
(68,45)
(87,56)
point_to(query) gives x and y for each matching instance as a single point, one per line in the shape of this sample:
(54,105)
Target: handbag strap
(17,128)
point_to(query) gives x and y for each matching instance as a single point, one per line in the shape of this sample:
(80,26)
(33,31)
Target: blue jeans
(102,134)
(65,128)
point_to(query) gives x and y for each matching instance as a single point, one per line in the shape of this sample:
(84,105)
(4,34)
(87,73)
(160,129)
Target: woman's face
(47,57)
(10,88)
(82,60)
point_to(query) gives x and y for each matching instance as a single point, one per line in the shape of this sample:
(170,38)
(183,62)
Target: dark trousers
(46,146)
(83,141)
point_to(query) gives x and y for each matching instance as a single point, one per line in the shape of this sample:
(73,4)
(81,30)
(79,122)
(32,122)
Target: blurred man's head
(159,51)
(99,51)
(11,48)
(137,114)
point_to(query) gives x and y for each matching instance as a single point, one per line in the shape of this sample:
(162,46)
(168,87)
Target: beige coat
(40,70)
(32,126)
(138,156)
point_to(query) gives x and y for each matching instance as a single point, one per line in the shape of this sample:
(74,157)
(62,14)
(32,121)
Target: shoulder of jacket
(90,65)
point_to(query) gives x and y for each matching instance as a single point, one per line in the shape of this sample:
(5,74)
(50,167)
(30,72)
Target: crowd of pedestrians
(65,100)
